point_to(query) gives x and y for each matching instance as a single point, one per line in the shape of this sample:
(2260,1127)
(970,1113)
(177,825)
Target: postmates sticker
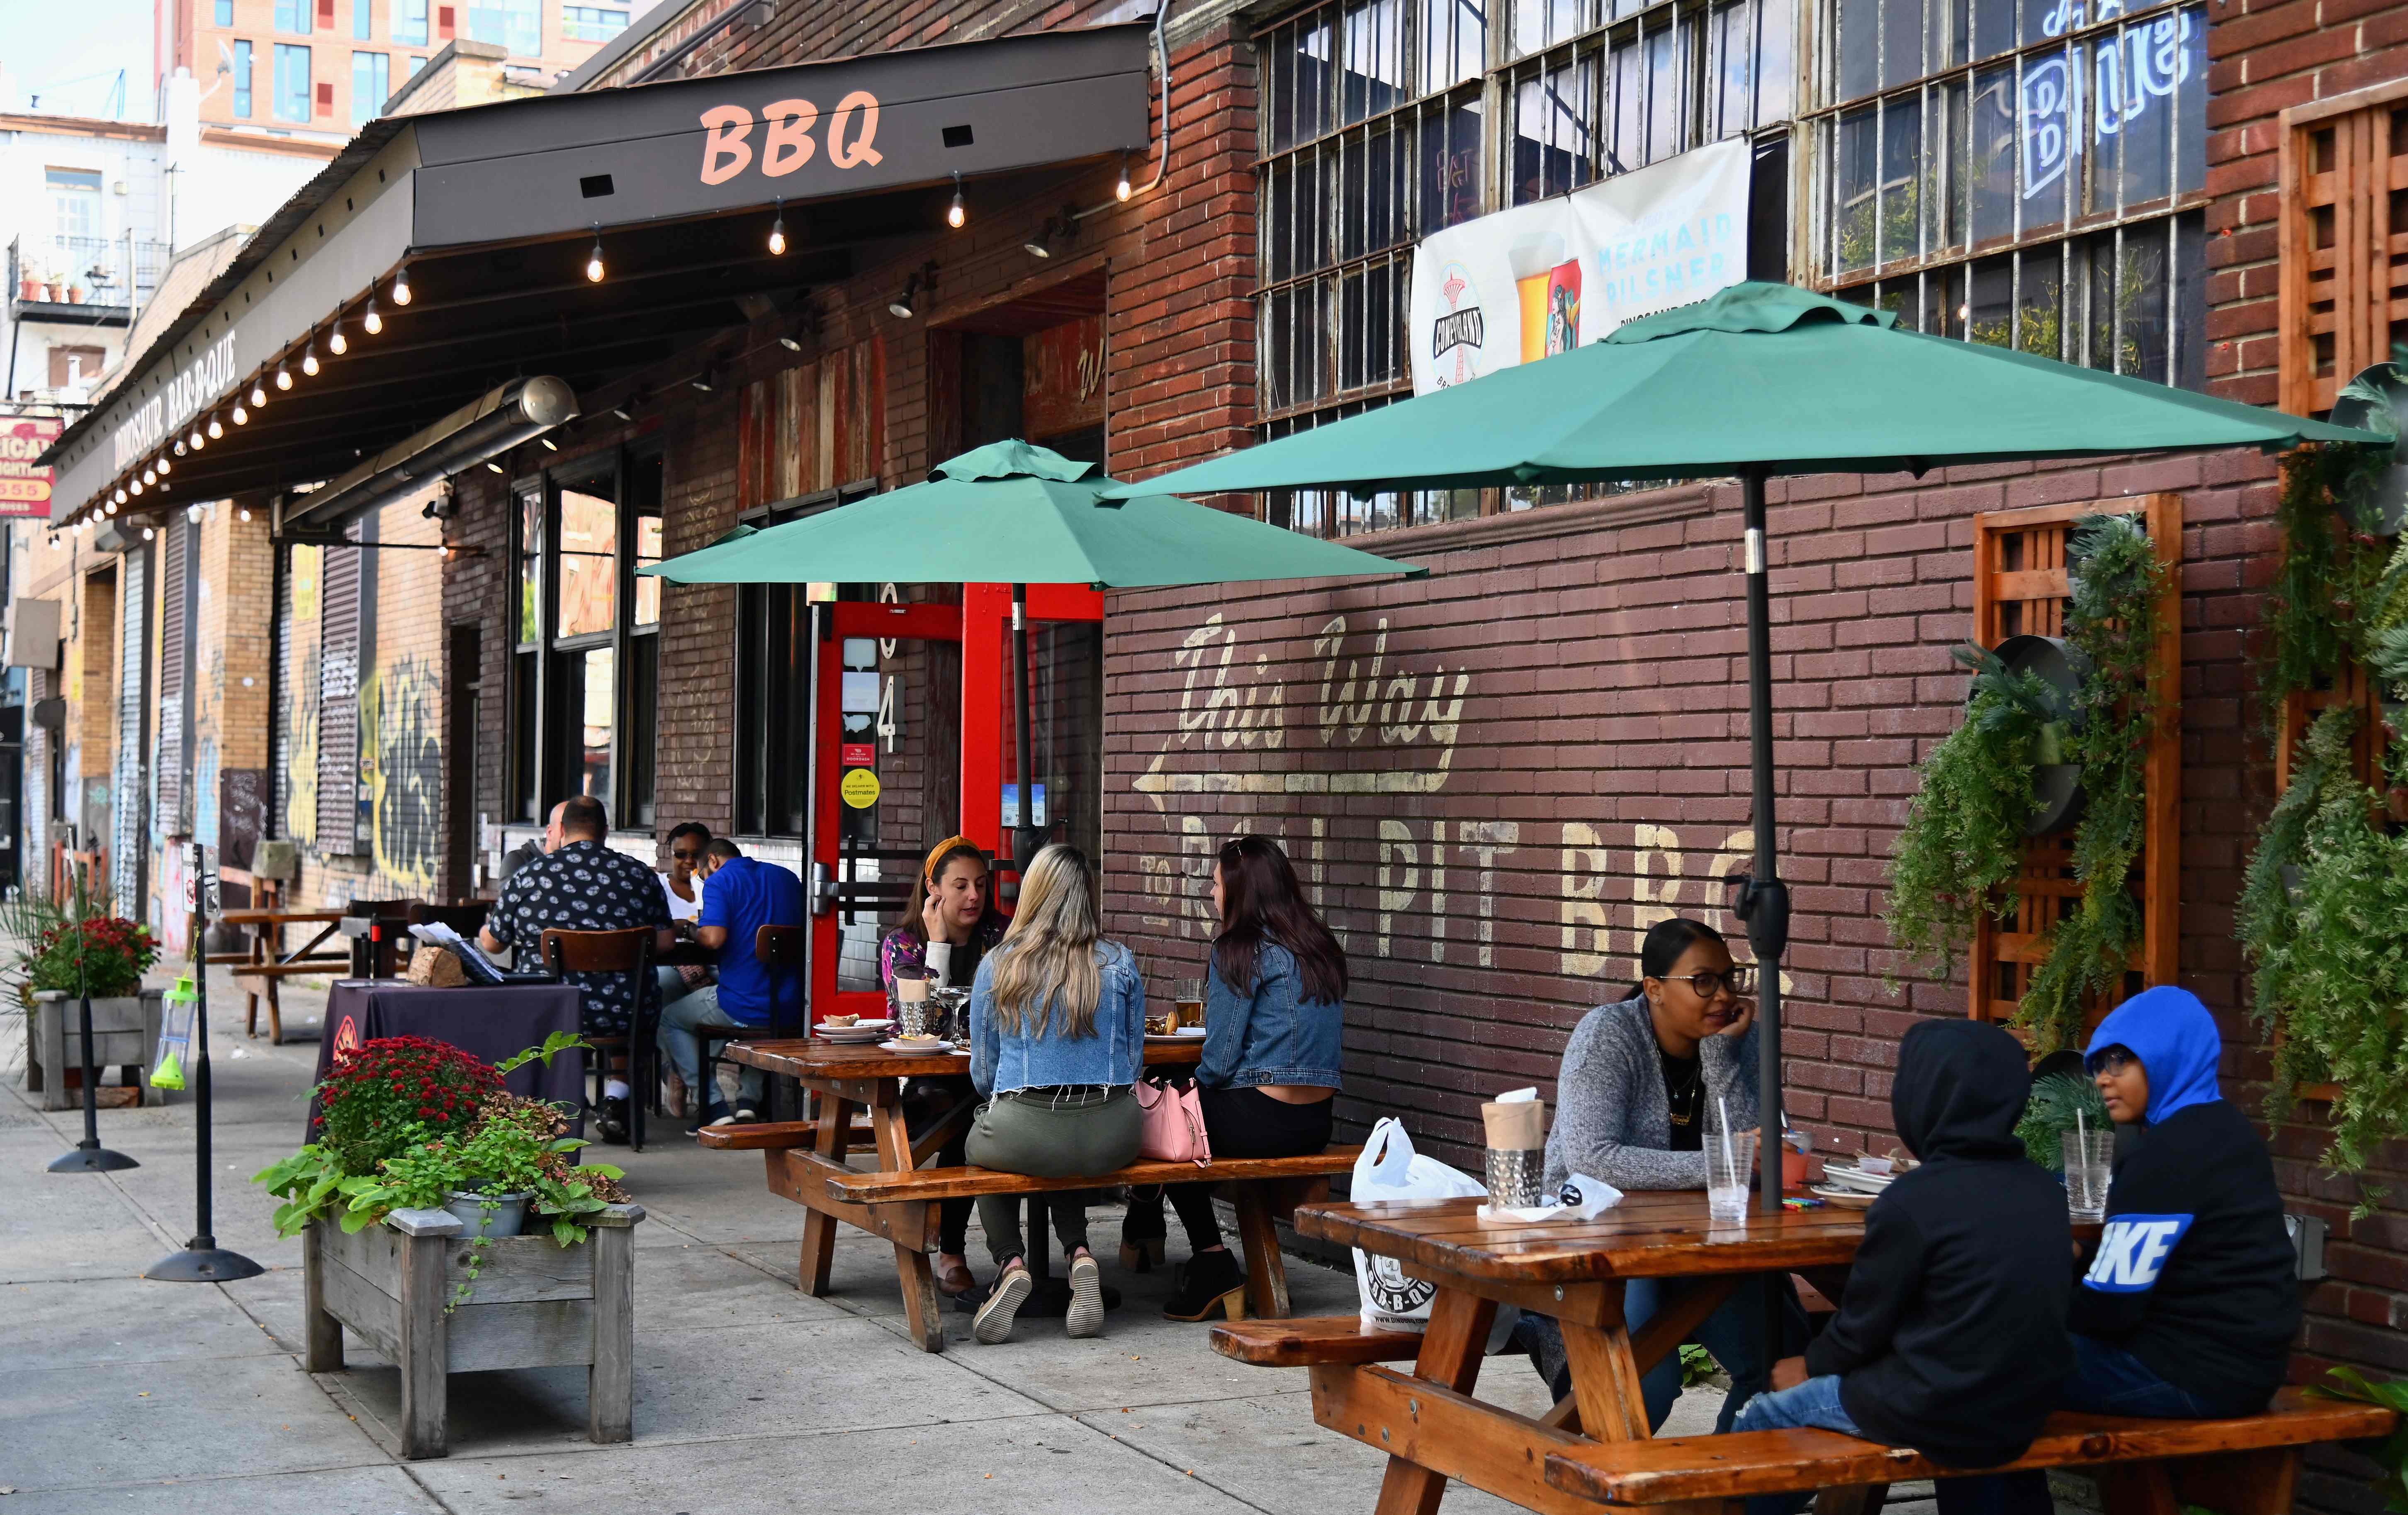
(860,789)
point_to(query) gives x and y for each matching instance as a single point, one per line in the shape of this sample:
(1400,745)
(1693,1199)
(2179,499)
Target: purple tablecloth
(489,1024)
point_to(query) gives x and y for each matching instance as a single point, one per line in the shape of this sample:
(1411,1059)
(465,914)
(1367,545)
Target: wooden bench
(1309,1340)
(771,1135)
(1264,1189)
(263,964)
(2243,1467)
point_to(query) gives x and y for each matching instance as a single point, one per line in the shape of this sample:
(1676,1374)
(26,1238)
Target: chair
(467,920)
(372,950)
(628,951)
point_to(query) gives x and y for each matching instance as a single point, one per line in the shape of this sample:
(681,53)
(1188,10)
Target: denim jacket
(1271,1036)
(1041,1056)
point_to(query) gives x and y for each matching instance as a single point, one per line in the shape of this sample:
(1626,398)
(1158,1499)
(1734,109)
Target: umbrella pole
(1764,900)
(1024,837)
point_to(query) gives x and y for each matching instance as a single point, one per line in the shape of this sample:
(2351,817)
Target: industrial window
(409,22)
(591,23)
(2023,173)
(292,102)
(516,24)
(2341,265)
(294,15)
(371,83)
(1379,122)
(242,79)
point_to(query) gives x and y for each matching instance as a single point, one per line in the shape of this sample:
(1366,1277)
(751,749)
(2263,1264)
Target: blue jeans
(1814,1403)
(680,1019)
(2109,1381)
(1733,1333)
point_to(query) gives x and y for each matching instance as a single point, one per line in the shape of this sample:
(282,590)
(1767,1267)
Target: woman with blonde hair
(1057,1038)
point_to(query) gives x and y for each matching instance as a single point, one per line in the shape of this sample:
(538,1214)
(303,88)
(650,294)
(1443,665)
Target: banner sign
(1541,279)
(24,489)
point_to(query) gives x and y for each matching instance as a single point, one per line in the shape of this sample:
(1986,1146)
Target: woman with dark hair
(953,912)
(1274,1008)
(1638,1080)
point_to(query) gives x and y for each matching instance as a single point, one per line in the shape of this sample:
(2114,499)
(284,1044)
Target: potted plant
(405,1204)
(76,949)
(75,294)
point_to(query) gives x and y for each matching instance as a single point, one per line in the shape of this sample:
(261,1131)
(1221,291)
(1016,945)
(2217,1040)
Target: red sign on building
(859,754)
(24,489)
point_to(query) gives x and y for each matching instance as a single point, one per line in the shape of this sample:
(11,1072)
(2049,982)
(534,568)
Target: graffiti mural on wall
(400,719)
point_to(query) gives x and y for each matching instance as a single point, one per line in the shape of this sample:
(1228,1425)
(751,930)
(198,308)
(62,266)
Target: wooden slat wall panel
(812,427)
(2344,288)
(2019,588)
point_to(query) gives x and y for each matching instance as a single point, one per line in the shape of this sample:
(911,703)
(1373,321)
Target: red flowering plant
(396,1092)
(102,956)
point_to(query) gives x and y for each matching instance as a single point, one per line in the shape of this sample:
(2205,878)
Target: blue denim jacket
(1041,1057)
(1273,1035)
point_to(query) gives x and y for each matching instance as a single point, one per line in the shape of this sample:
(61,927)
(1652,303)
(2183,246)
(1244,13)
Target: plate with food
(1847,1199)
(922,1045)
(1856,1179)
(1184,1033)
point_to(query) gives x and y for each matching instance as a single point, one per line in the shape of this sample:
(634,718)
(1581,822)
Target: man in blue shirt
(743,895)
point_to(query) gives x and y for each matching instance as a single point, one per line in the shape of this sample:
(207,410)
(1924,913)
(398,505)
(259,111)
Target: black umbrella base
(93,1159)
(203,1264)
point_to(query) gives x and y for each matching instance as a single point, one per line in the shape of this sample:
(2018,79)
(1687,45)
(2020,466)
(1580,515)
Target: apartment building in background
(323,69)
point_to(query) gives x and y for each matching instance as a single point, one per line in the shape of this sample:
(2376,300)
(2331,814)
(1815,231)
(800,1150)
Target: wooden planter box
(124,1033)
(534,1304)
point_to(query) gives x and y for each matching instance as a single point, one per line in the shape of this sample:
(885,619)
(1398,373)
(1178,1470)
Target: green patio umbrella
(1759,380)
(1012,513)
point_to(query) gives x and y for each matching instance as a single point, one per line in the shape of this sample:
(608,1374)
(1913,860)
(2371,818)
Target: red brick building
(1492,778)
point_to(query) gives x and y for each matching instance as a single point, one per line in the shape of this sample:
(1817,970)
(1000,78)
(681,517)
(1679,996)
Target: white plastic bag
(1390,1169)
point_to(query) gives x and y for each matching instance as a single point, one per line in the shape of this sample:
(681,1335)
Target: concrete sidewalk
(132,1396)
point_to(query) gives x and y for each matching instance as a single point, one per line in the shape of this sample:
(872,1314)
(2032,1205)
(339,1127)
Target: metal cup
(1514,1176)
(914,1017)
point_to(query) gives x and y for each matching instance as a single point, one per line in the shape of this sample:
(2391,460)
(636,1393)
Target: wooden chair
(630,952)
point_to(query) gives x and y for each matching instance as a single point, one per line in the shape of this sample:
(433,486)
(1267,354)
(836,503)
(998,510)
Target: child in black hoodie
(1951,1336)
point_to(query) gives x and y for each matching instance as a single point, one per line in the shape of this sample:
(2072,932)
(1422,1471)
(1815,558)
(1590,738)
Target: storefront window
(1966,127)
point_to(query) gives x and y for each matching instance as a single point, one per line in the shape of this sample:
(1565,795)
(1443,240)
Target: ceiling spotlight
(594,269)
(1121,190)
(216,430)
(337,342)
(549,446)
(707,381)
(956,213)
(283,376)
(401,286)
(371,322)
(622,413)
(241,416)
(192,514)
(258,395)
(790,343)
(778,231)
(309,358)
(148,533)
(492,467)
(904,305)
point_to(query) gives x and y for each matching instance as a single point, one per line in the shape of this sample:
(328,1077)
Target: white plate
(1854,1178)
(1847,1199)
(897,1046)
(845,1037)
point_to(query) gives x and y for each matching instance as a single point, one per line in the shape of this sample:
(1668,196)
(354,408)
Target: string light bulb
(180,447)
(401,286)
(309,358)
(594,269)
(241,416)
(371,322)
(119,499)
(337,342)
(258,397)
(165,468)
(958,215)
(136,486)
(216,429)
(1121,190)
(283,377)
(150,476)
(196,440)
(778,233)
(244,514)
(148,533)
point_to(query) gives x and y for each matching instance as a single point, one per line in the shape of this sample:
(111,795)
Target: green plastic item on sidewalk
(176,1010)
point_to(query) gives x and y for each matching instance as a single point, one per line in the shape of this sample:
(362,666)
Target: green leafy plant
(2336,586)
(1963,841)
(2392,1452)
(2050,1114)
(76,946)
(1696,1364)
(2118,585)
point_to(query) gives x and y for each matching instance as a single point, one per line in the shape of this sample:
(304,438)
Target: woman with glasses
(1639,1079)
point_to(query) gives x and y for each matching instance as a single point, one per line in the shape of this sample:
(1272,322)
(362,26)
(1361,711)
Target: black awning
(494,210)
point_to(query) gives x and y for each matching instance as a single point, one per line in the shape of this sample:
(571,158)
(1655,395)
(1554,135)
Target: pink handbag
(1174,1124)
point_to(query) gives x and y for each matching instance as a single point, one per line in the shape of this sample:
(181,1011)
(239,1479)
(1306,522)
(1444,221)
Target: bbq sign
(787,140)
(24,489)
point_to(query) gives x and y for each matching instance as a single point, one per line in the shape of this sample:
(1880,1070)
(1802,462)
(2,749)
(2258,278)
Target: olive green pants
(1048,1134)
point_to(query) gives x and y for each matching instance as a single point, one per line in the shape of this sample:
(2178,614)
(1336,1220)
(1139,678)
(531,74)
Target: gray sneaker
(1086,1313)
(992,1322)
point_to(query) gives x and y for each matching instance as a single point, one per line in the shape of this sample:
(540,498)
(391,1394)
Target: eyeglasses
(2115,1062)
(1739,980)
(683,856)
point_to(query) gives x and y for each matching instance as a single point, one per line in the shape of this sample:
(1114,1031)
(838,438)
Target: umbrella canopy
(1012,513)
(1759,377)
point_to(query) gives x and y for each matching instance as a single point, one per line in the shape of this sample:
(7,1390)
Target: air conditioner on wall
(31,633)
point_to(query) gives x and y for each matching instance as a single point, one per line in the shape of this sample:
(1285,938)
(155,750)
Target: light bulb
(549,446)
(241,416)
(283,376)
(148,533)
(196,441)
(243,514)
(1121,190)
(337,342)
(309,360)
(594,262)
(150,476)
(121,497)
(371,322)
(401,286)
(494,468)
(216,430)
(192,514)
(956,213)
(165,468)
(778,238)
(136,486)
(180,447)
(258,395)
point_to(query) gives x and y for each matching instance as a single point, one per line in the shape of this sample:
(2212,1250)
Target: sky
(38,57)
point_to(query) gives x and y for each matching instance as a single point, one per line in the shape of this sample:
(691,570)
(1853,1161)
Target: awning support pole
(1024,832)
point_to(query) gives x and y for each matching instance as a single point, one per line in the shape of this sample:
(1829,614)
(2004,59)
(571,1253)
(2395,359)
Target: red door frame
(983,625)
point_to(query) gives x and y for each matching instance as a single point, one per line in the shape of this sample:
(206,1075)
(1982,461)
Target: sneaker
(1086,1315)
(746,1114)
(992,1322)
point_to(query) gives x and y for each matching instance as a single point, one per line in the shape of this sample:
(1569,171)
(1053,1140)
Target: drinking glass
(1188,996)
(2089,1157)
(1730,1162)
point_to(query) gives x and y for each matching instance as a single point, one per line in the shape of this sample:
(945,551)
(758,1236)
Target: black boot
(1209,1281)
(1142,1232)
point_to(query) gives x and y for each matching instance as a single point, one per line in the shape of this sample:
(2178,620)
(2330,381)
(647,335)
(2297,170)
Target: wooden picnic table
(853,1082)
(263,964)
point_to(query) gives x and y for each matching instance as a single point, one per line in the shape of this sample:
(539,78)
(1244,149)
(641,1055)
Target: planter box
(124,1032)
(534,1304)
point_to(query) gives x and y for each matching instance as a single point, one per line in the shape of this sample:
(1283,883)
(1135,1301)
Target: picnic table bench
(1596,1447)
(263,964)
(807,1162)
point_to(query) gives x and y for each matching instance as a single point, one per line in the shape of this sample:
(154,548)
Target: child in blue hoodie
(2189,1305)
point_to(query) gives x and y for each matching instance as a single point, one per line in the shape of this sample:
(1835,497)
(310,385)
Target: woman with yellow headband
(953,907)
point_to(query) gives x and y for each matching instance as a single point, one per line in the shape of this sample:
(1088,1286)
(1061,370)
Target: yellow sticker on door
(860,789)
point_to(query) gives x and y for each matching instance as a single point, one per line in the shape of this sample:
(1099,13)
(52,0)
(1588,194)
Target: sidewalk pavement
(127,1395)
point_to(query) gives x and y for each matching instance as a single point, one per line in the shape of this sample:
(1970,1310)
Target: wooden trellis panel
(2343,289)
(2020,589)
(2352,686)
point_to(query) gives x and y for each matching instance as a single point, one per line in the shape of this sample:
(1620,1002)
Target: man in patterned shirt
(583,886)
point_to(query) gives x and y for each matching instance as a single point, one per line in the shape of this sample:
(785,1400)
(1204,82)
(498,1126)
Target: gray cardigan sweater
(1611,1119)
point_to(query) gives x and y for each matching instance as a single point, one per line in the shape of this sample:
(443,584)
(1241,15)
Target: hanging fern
(2334,586)
(2266,921)
(1963,841)
(2118,585)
